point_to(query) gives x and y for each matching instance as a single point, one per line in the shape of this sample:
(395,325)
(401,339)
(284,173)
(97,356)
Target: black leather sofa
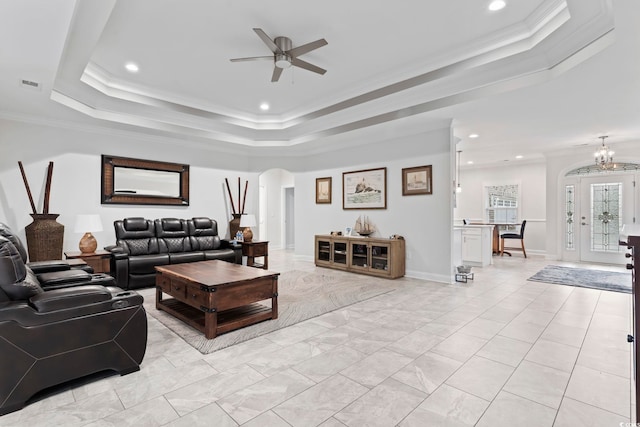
(48,338)
(142,244)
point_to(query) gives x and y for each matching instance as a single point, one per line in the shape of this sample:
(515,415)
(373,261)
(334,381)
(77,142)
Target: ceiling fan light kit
(283,60)
(285,55)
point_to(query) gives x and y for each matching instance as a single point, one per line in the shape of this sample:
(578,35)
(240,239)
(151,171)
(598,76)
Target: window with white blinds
(502,203)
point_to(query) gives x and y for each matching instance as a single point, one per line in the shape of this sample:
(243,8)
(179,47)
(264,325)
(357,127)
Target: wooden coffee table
(217,296)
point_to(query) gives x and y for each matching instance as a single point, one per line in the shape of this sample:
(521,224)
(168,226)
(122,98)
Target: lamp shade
(248,220)
(88,223)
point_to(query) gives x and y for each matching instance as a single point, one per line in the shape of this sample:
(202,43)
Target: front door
(607,202)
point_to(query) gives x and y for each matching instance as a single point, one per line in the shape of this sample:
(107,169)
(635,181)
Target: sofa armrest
(39,267)
(231,244)
(120,267)
(48,266)
(61,278)
(235,245)
(66,298)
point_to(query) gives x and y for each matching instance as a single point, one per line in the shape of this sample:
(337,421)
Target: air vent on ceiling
(30,84)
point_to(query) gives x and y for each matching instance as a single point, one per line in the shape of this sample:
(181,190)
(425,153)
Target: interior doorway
(289,218)
(277,211)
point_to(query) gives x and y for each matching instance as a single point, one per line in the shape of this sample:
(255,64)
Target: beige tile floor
(497,351)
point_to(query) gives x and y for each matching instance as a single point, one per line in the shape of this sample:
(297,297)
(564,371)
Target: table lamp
(247,221)
(87,224)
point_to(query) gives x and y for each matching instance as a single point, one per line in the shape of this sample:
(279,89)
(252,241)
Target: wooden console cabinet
(367,255)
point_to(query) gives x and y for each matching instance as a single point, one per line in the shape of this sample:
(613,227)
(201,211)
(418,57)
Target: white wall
(531,180)
(425,220)
(75,187)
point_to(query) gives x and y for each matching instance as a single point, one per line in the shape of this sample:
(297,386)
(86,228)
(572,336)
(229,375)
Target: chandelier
(604,156)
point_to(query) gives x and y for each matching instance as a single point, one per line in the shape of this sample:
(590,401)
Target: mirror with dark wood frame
(143,182)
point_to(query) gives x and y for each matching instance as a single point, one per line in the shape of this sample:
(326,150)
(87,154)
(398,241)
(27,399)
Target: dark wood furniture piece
(497,250)
(256,249)
(368,255)
(98,260)
(217,296)
(633,243)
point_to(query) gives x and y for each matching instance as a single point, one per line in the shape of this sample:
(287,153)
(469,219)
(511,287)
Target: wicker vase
(44,237)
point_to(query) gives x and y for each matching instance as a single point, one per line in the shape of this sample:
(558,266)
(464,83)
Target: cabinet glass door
(340,252)
(324,250)
(359,255)
(379,257)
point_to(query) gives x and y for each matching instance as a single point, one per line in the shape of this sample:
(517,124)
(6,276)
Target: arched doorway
(277,213)
(597,203)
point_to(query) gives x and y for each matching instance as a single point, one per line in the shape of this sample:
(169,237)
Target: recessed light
(470,162)
(518,156)
(473,135)
(264,106)
(497,5)
(131,67)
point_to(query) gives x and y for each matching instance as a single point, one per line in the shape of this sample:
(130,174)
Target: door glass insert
(606,211)
(570,210)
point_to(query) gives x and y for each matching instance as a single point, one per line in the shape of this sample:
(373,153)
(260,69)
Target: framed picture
(323,190)
(416,180)
(365,189)
(347,231)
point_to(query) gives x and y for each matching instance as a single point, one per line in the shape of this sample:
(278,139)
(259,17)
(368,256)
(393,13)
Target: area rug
(301,296)
(584,278)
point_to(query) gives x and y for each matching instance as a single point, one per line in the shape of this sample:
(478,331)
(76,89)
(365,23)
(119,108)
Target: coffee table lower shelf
(224,321)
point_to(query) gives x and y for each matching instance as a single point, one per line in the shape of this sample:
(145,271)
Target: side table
(98,260)
(256,249)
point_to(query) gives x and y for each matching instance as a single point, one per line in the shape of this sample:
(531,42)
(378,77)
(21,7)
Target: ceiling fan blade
(277,71)
(301,50)
(251,58)
(304,64)
(267,40)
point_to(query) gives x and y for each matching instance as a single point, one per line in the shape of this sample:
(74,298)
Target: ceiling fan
(284,56)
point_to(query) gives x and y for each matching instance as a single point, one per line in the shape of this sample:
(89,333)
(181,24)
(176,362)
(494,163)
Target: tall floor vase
(44,237)
(234,226)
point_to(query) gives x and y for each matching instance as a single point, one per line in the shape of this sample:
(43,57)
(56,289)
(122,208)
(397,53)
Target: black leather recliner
(142,244)
(55,274)
(50,337)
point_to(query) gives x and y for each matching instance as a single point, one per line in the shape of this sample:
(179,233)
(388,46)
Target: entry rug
(301,296)
(584,278)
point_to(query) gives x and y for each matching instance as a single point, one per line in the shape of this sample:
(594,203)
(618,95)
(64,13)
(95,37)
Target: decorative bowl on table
(463,269)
